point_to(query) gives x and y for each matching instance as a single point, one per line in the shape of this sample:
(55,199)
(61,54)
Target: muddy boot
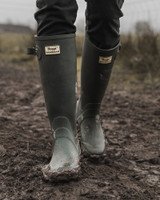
(95,73)
(57,64)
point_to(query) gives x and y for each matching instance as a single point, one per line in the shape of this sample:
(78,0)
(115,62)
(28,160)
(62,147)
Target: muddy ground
(131,122)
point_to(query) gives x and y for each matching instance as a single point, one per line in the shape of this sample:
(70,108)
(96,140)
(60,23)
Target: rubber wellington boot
(95,73)
(57,64)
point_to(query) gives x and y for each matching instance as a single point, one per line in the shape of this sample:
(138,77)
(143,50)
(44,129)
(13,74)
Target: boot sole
(90,155)
(86,153)
(66,175)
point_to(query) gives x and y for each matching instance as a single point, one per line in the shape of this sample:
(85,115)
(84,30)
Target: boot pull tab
(120,46)
(31,51)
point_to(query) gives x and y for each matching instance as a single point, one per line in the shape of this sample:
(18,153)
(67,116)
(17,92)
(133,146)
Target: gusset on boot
(57,64)
(95,74)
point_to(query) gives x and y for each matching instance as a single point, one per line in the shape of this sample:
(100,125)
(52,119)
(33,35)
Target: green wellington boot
(95,73)
(57,63)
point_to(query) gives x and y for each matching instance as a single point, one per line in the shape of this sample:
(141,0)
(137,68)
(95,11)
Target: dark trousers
(56,17)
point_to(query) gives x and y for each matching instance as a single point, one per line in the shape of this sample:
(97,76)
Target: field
(130,116)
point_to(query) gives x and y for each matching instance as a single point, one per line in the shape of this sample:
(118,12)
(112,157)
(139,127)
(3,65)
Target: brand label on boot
(105,60)
(52,50)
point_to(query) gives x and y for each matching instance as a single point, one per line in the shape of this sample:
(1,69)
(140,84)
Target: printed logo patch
(105,60)
(52,50)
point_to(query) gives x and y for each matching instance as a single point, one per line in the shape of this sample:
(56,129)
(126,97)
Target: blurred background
(138,60)
(130,112)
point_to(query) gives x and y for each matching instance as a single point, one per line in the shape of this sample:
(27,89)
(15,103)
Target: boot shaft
(57,64)
(95,72)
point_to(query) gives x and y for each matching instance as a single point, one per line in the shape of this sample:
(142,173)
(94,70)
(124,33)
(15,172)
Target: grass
(13,48)
(140,55)
(137,62)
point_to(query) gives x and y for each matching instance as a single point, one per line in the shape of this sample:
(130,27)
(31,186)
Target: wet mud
(130,170)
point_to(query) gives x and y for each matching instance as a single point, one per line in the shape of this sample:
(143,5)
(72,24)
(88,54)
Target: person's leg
(100,49)
(56,51)
(102,22)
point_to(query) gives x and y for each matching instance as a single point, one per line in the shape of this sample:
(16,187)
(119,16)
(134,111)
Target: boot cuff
(97,49)
(54,37)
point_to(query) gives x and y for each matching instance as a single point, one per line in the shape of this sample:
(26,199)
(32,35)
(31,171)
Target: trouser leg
(102,22)
(56,17)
